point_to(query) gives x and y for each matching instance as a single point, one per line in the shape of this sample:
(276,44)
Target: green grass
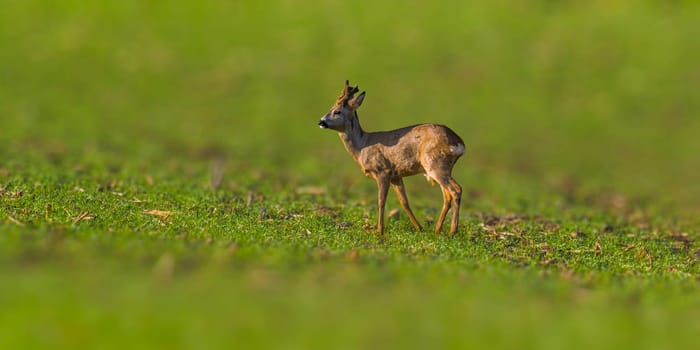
(579,218)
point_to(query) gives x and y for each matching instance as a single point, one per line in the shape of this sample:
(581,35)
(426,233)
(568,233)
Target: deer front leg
(398,186)
(383,186)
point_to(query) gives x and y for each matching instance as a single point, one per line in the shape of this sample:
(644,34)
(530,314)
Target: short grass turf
(163,183)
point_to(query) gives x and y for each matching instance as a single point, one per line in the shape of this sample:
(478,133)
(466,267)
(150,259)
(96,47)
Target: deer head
(344,109)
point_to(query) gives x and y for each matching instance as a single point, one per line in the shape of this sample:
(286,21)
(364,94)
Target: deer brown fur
(388,156)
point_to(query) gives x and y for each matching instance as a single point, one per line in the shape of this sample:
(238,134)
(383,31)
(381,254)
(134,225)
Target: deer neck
(353,137)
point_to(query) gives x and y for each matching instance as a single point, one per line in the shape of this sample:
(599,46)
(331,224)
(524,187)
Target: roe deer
(388,156)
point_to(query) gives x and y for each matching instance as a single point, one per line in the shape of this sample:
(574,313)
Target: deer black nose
(322,124)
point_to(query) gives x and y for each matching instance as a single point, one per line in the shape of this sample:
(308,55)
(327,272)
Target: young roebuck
(388,156)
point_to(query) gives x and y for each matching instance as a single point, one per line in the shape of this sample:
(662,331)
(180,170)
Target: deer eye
(337,111)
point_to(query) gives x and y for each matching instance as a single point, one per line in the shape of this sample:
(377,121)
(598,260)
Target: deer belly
(408,169)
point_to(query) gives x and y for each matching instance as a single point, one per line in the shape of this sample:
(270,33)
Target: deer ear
(357,100)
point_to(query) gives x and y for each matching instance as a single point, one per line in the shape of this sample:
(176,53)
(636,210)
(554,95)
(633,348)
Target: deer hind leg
(452,197)
(398,186)
(446,200)
(456,194)
(383,188)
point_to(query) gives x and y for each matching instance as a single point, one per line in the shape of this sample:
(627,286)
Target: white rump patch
(457,150)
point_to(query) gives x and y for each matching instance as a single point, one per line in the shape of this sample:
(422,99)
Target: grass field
(163,183)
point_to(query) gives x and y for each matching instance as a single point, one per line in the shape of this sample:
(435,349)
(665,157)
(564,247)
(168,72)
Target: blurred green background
(584,112)
(598,93)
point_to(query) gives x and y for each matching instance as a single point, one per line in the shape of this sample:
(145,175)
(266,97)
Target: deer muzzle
(322,124)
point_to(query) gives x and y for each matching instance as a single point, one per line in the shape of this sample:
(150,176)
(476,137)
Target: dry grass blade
(15,221)
(681,239)
(12,194)
(85,215)
(577,234)
(394,213)
(629,247)
(217,174)
(313,190)
(644,254)
(163,214)
(47,212)
(250,199)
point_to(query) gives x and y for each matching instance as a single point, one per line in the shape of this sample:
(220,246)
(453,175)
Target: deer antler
(347,93)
